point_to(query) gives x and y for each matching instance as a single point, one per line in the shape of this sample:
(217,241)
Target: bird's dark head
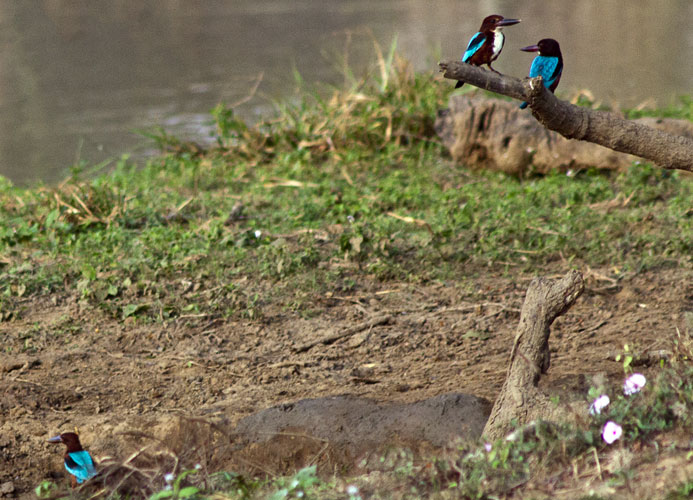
(546,47)
(496,22)
(69,439)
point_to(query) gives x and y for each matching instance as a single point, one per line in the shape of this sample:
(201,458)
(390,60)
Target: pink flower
(599,404)
(634,383)
(611,432)
(488,446)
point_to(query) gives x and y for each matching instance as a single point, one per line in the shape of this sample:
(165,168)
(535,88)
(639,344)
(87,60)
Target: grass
(355,182)
(342,184)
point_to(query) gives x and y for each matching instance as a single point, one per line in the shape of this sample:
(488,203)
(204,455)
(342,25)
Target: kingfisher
(78,461)
(548,64)
(486,45)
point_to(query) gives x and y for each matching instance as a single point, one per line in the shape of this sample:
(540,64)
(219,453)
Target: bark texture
(573,122)
(495,134)
(519,398)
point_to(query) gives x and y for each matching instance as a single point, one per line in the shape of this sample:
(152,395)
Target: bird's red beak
(531,48)
(55,439)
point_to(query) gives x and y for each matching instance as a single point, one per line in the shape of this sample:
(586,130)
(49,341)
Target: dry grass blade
(412,220)
(252,92)
(82,203)
(288,183)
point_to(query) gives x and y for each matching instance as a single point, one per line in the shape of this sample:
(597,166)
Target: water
(77,77)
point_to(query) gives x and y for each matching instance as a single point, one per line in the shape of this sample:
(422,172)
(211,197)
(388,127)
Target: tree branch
(574,122)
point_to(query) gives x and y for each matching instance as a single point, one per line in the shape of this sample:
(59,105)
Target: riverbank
(183,286)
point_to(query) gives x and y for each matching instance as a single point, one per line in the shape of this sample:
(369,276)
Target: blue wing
(80,465)
(475,44)
(546,67)
(549,68)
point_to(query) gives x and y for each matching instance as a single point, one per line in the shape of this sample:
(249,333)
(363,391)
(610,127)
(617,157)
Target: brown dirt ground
(82,369)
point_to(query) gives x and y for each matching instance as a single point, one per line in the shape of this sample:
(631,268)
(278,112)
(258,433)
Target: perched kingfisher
(486,45)
(78,461)
(548,64)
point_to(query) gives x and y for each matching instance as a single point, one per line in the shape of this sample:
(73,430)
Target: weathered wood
(519,398)
(495,134)
(574,122)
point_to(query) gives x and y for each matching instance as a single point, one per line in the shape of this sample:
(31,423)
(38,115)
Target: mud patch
(339,429)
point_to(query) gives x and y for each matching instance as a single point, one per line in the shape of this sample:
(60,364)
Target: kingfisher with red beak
(78,461)
(548,64)
(486,45)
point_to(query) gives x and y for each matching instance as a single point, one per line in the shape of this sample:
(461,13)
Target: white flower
(488,446)
(299,494)
(257,233)
(611,432)
(293,484)
(351,219)
(352,490)
(599,404)
(198,466)
(634,383)
(169,477)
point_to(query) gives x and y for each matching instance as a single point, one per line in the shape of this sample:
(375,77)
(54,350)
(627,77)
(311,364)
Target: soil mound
(341,429)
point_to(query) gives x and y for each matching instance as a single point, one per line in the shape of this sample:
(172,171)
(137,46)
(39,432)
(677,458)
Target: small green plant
(682,492)
(175,489)
(626,357)
(238,484)
(299,486)
(46,489)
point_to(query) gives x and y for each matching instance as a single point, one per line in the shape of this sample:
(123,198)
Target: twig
(252,92)
(318,454)
(599,466)
(378,320)
(19,379)
(473,307)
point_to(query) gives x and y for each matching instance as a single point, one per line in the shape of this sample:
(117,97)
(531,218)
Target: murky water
(77,77)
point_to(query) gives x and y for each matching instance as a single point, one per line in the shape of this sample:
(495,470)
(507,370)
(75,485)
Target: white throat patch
(498,41)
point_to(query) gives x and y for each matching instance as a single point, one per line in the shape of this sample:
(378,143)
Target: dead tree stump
(519,398)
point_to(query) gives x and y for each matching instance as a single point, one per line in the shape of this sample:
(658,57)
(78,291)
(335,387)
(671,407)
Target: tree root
(520,400)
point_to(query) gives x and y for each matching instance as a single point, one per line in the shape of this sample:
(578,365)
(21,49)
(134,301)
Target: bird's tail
(459,84)
(523,105)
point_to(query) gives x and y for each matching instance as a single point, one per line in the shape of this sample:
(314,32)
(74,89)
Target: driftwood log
(573,122)
(495,134)
(520,399)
